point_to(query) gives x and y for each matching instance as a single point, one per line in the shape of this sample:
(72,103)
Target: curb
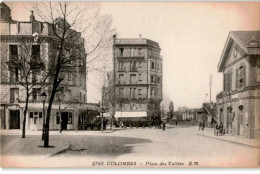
(234,142)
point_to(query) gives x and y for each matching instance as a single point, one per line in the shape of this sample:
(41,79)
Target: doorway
(64,120)
(14,119)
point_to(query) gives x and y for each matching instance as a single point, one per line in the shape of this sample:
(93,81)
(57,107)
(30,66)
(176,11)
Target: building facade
(38,38)
(238,105)
(137,78)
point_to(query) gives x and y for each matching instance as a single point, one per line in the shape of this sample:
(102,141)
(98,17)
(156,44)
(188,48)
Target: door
(238,124)
(227,121)
(64,120)
(14,119)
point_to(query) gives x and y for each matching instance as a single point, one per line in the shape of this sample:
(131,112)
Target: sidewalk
(209,132)
(53,132)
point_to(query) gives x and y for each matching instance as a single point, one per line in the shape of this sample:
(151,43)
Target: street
(174,147)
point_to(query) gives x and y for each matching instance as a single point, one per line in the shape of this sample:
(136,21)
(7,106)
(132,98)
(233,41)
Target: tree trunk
(47,124)
(24,113)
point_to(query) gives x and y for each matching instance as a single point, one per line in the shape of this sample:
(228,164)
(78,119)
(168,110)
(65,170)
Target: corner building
(68,103)
(137,79)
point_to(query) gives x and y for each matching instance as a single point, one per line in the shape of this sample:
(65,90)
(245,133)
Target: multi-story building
(137,78)
(39,39)
(238,105)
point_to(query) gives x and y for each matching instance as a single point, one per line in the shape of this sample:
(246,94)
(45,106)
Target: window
(80,96)
(121,52)
(133,66)
(152,65)
(258,71)
(121,78)
(140,77)
(34,79)
(140,51)
(36,27)
(158,80)
(69,76)
(40,114)
(240,77)
(57,118)
(158,66)
(150,52)
(132,52)
(228,82)
(36,52)
(70,118)
(31,114)
(152,79)
(13,51)
(14,75)
(152,92)
(36,93)
(139,91)
(132,79)
(121,66)
(121,92)
(140,64)
(134,89)
(14,95)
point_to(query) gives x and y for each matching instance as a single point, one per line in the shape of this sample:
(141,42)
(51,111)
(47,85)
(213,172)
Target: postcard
(130,84)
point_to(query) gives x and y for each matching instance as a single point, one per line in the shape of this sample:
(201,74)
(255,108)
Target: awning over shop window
(130,114)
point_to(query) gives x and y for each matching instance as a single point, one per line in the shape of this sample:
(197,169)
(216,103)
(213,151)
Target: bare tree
(64,19)
(27,68)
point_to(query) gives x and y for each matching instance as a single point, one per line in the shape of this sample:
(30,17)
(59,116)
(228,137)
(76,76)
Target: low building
(238,105)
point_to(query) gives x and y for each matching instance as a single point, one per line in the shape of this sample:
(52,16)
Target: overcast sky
(191,36)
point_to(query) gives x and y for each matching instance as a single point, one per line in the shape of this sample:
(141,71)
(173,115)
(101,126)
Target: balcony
(36,64)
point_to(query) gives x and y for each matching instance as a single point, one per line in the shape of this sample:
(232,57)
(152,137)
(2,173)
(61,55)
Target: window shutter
(244,76)
(230,81)
(224,82)
(237,79)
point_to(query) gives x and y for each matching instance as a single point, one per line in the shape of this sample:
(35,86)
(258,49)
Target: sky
(191,37)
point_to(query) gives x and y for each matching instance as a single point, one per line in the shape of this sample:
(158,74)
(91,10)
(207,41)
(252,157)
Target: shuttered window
(228,82)
(241,77)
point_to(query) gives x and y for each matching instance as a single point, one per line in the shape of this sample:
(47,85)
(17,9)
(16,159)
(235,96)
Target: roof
(135,41)
(247,41)
(3,5)
(248,36)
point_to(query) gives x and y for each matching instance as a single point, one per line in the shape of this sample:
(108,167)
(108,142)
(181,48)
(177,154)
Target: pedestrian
(163,126)
(60,126)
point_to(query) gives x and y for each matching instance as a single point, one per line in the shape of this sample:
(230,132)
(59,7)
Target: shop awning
(130,114)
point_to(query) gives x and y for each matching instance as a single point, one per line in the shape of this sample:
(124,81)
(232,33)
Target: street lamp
(43,96)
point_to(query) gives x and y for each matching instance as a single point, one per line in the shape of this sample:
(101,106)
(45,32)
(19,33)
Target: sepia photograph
(114,85)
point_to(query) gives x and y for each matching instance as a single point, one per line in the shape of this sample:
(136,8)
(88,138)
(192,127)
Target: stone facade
(137,77)
(36,33)
(238,105)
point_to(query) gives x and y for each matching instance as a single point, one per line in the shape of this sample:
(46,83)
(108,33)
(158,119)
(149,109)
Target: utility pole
(102,126)
(210,84)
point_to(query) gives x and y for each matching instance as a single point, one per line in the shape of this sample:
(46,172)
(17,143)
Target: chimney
(114,39)
(32,18)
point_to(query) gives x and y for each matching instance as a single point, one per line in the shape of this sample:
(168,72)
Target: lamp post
(43,96)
